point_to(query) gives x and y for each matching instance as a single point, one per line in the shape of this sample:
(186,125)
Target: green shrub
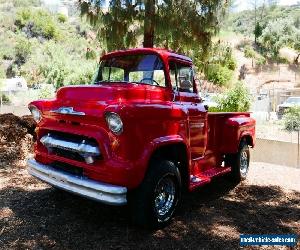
(90,55)
(231,63)
(249,52)
(5,99)
(219,75)
(61,18)
(259,61)
(37,23)
(23,49)
(46,91)
(237,99)
(59,66)
(292,119)
(82,74)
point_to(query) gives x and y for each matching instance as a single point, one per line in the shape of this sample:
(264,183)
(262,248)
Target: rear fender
(235,130)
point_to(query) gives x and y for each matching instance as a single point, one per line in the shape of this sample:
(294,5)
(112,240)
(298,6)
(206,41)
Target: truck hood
(92,100)
(106,92)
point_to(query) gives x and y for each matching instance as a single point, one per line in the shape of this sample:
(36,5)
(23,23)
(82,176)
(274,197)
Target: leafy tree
(181,24)
(236,99)
(276,35)
(292,119)
(257,31)
(218,74)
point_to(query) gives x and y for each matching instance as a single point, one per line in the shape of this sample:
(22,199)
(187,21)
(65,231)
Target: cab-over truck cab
(139,135)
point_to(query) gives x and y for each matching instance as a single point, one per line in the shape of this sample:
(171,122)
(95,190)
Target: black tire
(239,163)
(146,201)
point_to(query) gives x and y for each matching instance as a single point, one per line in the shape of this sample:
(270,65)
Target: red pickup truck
(139,134)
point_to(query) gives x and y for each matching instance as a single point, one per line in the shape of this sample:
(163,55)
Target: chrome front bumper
(106,193)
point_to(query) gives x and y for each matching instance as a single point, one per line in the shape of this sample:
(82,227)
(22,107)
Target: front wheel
(239,163)
(154,202)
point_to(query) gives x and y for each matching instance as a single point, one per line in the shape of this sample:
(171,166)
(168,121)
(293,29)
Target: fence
(276,145)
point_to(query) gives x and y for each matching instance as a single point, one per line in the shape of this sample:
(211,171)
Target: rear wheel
(154,202)
(239,163)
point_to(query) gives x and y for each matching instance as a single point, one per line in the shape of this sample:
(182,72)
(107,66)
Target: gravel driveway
(35,216)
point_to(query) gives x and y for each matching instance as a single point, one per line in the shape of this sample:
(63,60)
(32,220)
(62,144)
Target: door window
(181,77)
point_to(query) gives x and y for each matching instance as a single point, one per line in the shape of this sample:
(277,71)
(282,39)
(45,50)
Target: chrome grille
(71,146)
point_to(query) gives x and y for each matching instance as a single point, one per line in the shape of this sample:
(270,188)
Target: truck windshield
(144,69)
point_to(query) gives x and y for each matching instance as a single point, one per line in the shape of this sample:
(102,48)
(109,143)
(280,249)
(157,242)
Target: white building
(13,85)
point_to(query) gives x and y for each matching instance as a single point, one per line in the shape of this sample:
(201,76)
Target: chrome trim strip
(197,125)
(82,148)
(67,111)
(102,192)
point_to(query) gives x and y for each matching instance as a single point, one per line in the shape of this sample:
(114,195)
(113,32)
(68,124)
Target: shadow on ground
(211,218)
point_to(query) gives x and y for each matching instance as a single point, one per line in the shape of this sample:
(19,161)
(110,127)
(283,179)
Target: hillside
(44,47)
(244,21)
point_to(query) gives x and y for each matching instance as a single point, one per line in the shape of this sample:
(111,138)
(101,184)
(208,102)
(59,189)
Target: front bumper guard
(102,192)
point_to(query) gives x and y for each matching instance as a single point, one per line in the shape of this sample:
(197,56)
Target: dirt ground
(35,216)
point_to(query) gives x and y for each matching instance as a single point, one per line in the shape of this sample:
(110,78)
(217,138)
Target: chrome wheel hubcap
(164,196)
(244,163)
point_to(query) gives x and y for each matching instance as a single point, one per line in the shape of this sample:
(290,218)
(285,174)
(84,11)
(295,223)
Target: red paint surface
(153,117)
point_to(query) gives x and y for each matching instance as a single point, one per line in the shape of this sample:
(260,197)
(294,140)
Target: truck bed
(225,129)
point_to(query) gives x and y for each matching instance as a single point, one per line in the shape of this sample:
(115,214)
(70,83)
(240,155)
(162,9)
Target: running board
(206,176)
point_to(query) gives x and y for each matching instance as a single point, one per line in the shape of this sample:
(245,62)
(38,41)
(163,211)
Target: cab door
(183,83)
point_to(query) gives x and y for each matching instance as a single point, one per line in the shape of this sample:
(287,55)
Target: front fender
(153,146)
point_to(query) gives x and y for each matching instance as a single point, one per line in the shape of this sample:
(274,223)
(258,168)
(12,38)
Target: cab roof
(164,53)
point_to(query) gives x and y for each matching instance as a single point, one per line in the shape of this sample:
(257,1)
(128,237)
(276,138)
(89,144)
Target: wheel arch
(177,152)
(248,139)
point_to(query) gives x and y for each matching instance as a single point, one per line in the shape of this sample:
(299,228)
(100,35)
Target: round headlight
(36,113)
(114,122)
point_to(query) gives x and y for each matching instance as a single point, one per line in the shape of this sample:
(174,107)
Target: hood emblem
(67,111)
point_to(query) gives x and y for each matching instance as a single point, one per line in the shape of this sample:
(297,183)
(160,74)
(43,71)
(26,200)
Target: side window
(181,76)
(185,78)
